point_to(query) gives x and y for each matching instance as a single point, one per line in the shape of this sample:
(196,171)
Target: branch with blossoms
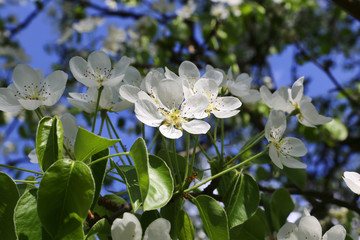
(64,197)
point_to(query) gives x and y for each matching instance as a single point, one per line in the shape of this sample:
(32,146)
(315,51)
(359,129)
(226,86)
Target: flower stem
(115,178)
(189,169)
(168,155)
(21,169)
(222,139)
(110,135)
(154,139)
(103,117)
(25,181)
(225,171)
(97,107)
(177,164)
(109,156)
(143,131)
(214,143)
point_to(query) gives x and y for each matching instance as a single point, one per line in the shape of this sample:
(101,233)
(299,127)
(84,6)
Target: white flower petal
(309,228)
(190,71)
(82,105)
(54,97)
(287,232)
(129,93)
(214,75)
(352,180)
(337,232)
(99,61)
(8,101)
(121,66)
(127,228)
(274,155)
(30,104)
(309,112)
(147,112)
(25,75)
(55,81)
(251,96)
(170,93)
(276,125)
(78,67)
(291,162)
(293,147)
(171,75)
(133,77)
(158,230)
(70,129)
(33,157)
(194,106)
(121,106)
(227,103)
(297,90)
(207,87)
(196,127)
(170,131)
(225,113)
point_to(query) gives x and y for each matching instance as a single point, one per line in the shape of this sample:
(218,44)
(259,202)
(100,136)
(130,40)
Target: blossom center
(174,118)
(34,92)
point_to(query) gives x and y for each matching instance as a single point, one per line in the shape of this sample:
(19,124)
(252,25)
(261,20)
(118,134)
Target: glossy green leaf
(161,184)
(242,199)
(213,216)
(129,175)
(148,217)
(281,205)
(49,141)
(98,171)
(184,226)
(100,227)
(296,175)
(181,161)
(255,228)
(24,187)
(27,222)
(64,198)
(88,143)
(169,212)
(8,200)
(140,157)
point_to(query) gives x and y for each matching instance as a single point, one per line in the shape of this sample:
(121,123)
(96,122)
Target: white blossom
(309,228)
(88,24)
(97,71)
(129,228)
(352,180)
(187,10)
(282,150)
(114,42)
(31,89)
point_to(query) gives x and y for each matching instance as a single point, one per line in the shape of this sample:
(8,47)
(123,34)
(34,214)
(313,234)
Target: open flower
(129,228)
(309,228)
(31,89)
(288,100)
(282,150)
(109,100)
(168,110)
(221,107)
(97,71)
(352,180)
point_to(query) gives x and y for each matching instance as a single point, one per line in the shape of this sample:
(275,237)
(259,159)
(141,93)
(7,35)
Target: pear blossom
(109,100)
(129,228)
(187,10)
(352,180)
(168,110)
(309,228)
(88,24)
(115,39)
(240,87)
(31,89)
(97,72)
(288,100)
(221,107)
(282,150)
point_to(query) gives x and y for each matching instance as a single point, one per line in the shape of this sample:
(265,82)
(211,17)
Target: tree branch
(352,7)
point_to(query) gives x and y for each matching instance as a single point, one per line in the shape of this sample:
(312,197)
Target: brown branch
(327,71)
(352,7)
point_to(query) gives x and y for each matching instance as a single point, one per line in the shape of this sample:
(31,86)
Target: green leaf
(139,155)
(128,173)
(161,184)
(255,228)
(98,171)
(184,226)
(88,143)
(336,129)
(181,161)
(242,199)
(213,216)
(281,205)
(100,227)
(49,141)
(148,217)
(296,176)
(101,210)
(169,212)
(27,222)
(8,200)
(64,198)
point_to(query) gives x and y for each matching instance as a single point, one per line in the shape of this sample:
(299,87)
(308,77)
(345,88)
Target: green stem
(115,178)
(110,135)
(37,114)
(215,129)
(214,143)
(109,156)
(154,139)
(103,117)
(25,181)
(21,169)
(117,136)
(225,171)
(189,170)
(222,139)
(143,131)
(204,152)
(177,164)
(168,155)
(97,107)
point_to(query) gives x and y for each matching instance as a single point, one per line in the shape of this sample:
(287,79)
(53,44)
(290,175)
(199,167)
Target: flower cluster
(309,228)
